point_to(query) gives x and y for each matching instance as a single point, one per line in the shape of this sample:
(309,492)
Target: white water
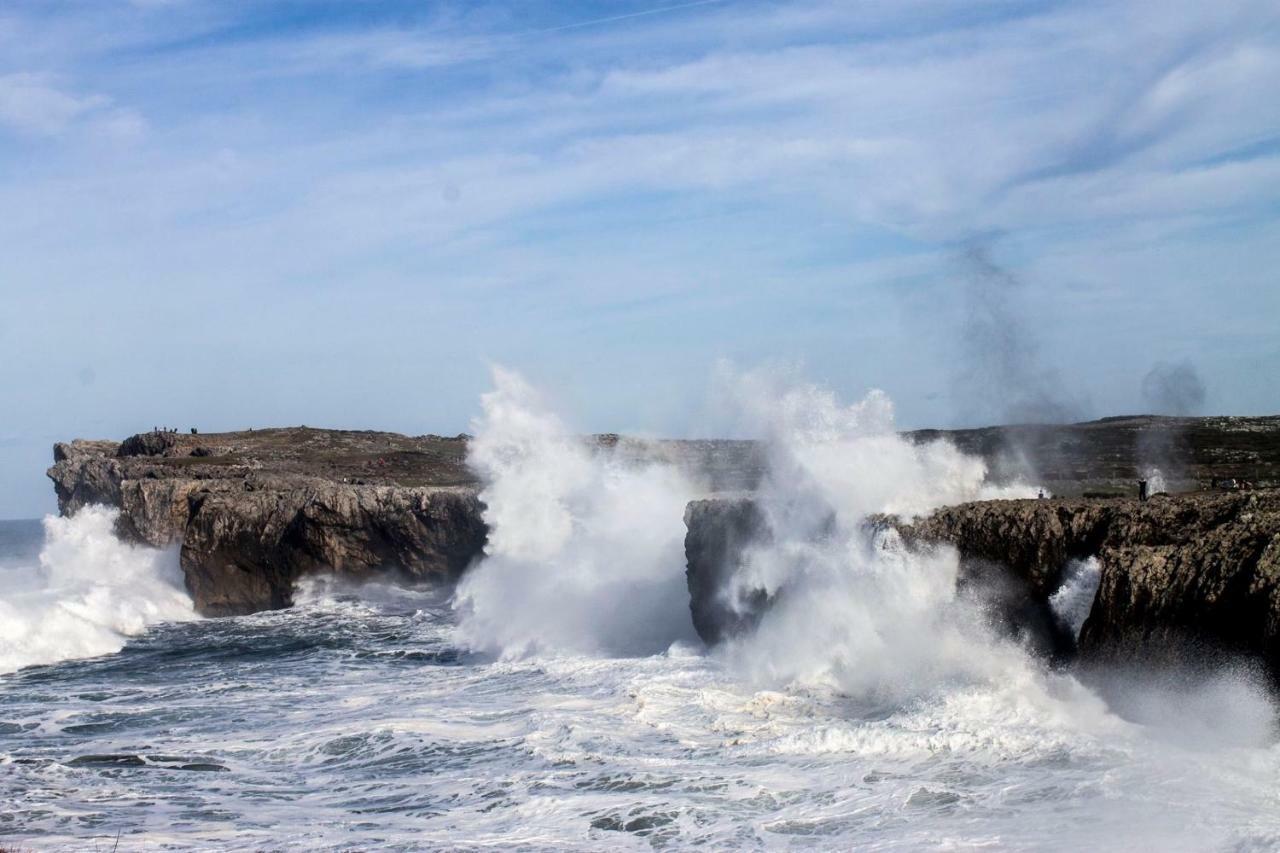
(862,625)
(873,709)
(86,594)
(585,552)
(1072,600)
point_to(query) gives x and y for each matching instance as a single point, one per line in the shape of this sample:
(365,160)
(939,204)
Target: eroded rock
(1179,575)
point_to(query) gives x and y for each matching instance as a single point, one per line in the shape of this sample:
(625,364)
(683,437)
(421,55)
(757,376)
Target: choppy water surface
(558,699)
(352,721)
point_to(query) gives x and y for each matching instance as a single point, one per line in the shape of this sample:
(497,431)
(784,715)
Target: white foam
(585,550)
(857,610)
(87,593)
(1073,600)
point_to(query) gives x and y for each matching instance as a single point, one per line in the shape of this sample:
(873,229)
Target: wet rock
(1178,574)
(719,532)
(255,511)
(243,551)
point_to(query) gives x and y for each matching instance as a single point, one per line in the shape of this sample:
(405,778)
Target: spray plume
(87,595)
(585,550)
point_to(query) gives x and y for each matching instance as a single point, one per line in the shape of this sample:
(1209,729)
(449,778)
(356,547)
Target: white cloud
(33,105)
(734,176)
(30,103)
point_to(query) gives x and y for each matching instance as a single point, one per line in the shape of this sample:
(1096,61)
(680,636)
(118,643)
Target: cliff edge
(254,511)
(1178,574)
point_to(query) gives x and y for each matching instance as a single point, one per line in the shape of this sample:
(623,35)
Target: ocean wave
(86,593)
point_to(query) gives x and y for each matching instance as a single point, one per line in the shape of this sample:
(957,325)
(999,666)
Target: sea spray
(86,594)
(1072,600)
(854,608)
(357,704)
(585,563)
(585,549)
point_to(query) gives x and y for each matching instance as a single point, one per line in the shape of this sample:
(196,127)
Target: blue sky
(243,214)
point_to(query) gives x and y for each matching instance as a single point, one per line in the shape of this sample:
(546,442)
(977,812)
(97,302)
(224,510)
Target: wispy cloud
(32,104)
(745,178)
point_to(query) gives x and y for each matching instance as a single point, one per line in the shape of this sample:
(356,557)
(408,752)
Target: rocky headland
(1178,574)
(254,511)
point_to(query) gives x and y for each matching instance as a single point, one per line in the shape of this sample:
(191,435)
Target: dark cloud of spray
(1173,389)
(1163,454)
(1001,377)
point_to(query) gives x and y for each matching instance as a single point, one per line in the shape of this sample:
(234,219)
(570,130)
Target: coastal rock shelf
(253,511)
(1178,573)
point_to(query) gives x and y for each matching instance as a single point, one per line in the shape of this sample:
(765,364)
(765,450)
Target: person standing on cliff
(1142,490)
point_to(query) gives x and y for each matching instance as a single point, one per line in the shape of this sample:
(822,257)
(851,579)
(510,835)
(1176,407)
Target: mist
(1001,376)
(1173,388)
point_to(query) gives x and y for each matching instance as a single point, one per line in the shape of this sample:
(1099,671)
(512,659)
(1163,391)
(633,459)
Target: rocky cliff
(254,511)
(1106,456)
(1194,571)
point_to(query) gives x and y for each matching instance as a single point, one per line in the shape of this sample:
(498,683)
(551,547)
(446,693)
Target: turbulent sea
(354,720)
(558,699)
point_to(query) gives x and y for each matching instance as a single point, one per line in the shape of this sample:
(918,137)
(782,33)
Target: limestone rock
(256,511)
(1180,574)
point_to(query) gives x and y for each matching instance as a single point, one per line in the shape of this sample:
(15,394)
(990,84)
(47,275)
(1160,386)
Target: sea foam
(87,592)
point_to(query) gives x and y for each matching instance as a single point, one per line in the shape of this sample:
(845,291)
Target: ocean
(356,721)
(558,698)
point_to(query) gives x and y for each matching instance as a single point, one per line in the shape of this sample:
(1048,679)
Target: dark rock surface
(254,511)
(718,532)
(1196,571)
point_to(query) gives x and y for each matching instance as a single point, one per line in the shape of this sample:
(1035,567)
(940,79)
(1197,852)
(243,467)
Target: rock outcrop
(718,533)
(1195,571)
(252,513)
(243,550)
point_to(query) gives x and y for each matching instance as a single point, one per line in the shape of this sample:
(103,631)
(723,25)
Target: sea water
(558,698)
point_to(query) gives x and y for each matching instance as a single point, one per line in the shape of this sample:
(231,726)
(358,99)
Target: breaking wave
(586,548)
(585,551)
(1072,600)
(86,593)
(872,708)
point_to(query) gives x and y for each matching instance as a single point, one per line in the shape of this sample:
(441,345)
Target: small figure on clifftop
(1142,490)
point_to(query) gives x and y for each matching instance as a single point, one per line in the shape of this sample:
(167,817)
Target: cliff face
(718,533)
(254,511)
(1199,570)
(252,516)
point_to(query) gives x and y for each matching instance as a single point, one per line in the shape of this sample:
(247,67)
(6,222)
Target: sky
(227,214)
